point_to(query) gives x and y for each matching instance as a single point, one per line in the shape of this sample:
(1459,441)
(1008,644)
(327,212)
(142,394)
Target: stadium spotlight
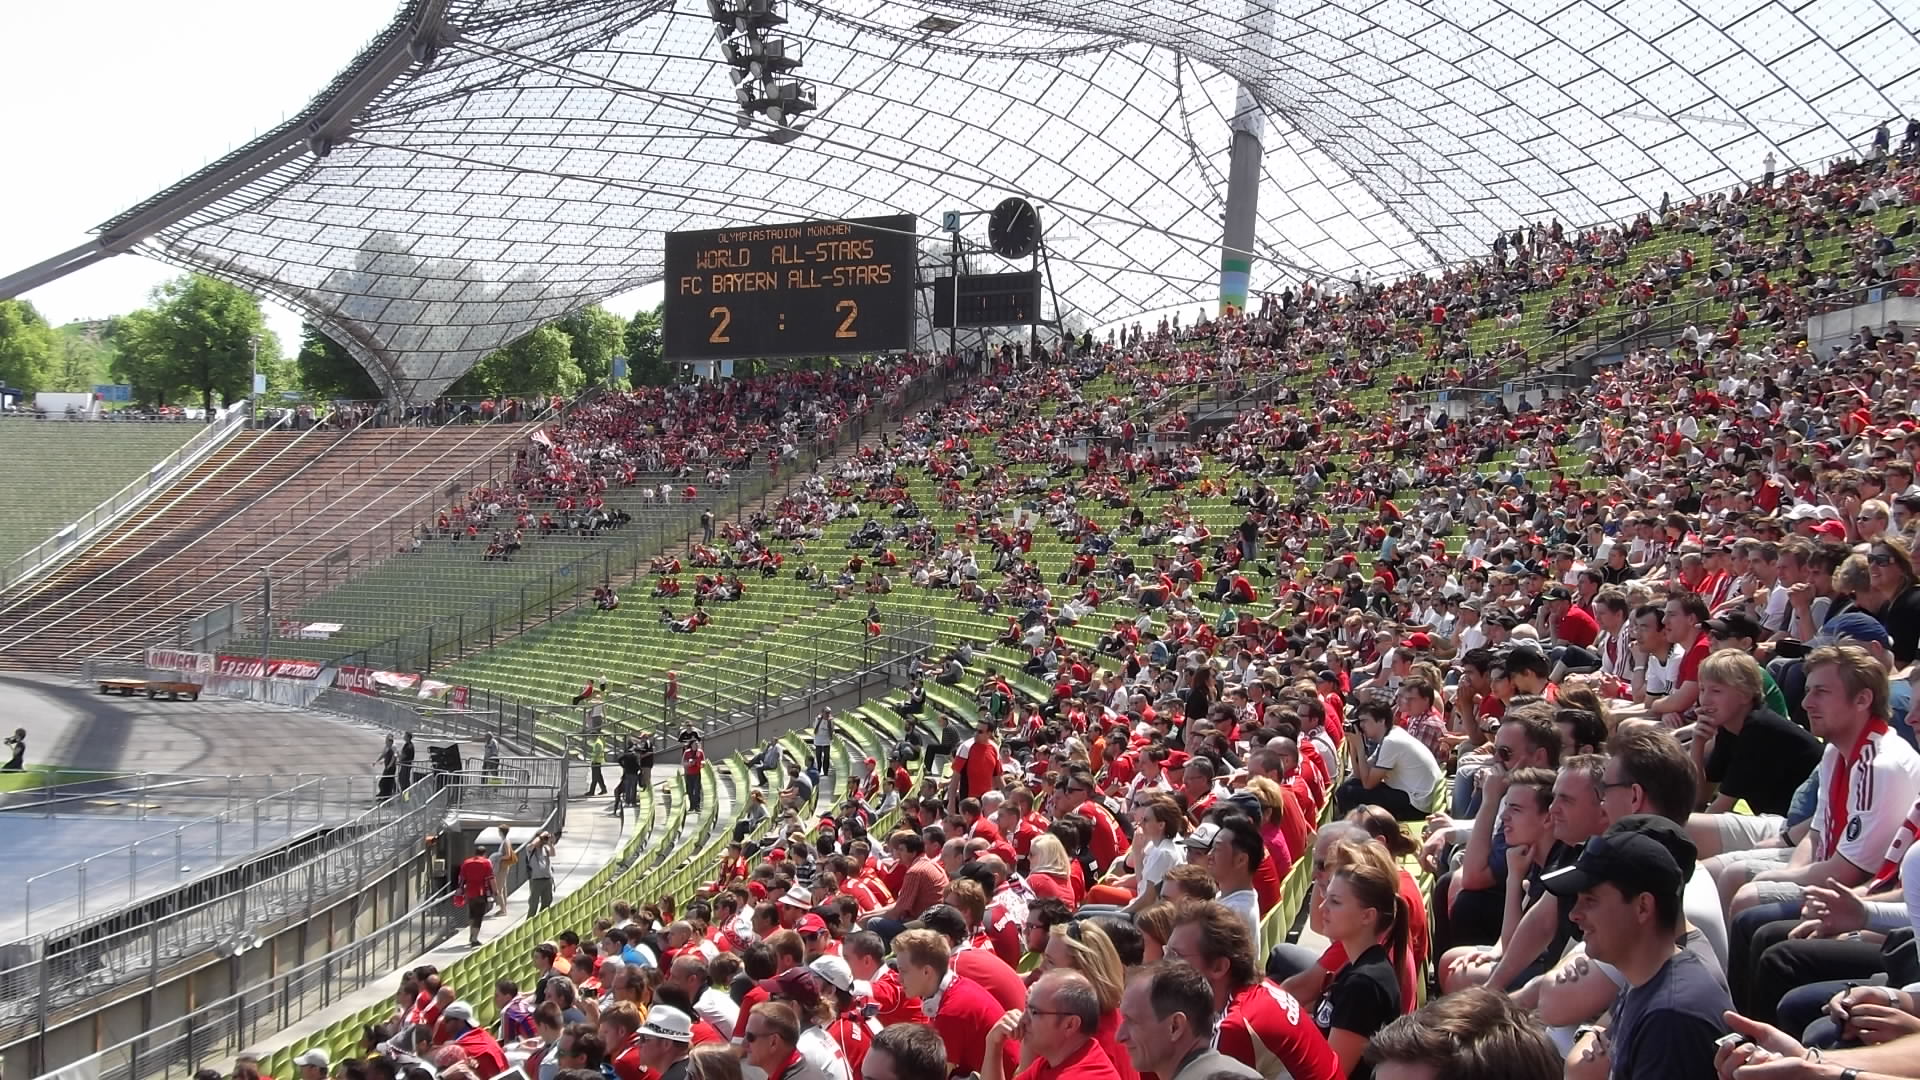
(763,66)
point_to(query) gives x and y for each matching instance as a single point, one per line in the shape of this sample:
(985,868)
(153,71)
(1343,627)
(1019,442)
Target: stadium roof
(492,164)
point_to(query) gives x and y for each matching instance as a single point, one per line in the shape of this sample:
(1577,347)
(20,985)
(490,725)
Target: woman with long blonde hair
(1082,946)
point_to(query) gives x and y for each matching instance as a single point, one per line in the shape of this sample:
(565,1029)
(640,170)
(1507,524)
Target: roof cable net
(535,162)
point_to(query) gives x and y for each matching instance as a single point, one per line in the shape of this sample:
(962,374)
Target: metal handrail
(77,870)
(43,556)
(73,966)
(277,1002)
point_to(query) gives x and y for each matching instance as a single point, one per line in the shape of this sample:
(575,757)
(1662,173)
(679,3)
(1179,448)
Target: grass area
(38,776)
(54,470)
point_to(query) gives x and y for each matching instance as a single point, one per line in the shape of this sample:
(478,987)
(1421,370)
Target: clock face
(1013,229)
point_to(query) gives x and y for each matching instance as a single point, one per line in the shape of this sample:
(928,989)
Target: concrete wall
(1833,329)
(128,1010)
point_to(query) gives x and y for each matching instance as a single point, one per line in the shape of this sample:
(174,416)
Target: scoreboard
(807,288)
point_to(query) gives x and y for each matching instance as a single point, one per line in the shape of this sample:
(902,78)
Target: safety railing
(217,1031)
(122,875)
(44,555)
(220,1029)
(87,964)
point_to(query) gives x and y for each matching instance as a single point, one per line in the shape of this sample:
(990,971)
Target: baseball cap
(795,985)
(316,1057)
(459,1010)
(834,971)
(1803,512)
(1641,853)
(1852,626)
(1418,641)
(1559,592)
(1202,838)
(667,1022)
(811,924)
(1736,624)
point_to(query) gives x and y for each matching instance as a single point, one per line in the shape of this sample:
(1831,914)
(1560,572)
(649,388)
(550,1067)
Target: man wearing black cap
(1626,893)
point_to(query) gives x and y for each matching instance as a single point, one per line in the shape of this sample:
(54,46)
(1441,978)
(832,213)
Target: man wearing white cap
(664,1042)
(488,1059)
(852,1028)
(313,1064)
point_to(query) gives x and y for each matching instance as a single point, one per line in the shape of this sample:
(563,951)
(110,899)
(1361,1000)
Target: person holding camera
(1399,773)
(18,760)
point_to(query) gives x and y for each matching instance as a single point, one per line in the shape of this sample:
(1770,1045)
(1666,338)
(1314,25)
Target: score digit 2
(852,311)
(719,335)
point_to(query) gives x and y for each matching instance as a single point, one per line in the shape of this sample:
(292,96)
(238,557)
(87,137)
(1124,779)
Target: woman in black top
(1891,565)
(1363,913)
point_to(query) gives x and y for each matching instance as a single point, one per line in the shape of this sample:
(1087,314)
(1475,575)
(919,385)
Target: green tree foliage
(328,372)
(83,354)
(539,364)
(27,347)
(196,337)
(643,344)
(594,337)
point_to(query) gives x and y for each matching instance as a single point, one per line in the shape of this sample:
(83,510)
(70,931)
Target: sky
(116,100)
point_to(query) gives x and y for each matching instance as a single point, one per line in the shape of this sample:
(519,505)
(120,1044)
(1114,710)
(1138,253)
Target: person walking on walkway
(18,740)
(476,892)
(692,758)
(406,762)
(623,796)
(823,742)
(538,855)
(596,765)
(643,777)
(389,763)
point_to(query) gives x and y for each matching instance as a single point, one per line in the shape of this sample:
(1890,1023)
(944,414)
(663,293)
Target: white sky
(114,101)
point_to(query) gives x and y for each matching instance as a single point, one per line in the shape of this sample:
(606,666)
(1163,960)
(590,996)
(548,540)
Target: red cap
(811,924)
(1419,641)
(777,854)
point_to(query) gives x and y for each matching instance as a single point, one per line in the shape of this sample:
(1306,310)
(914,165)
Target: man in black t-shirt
(1626,891)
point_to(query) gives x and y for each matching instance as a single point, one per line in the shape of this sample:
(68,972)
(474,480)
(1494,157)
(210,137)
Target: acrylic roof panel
(532,160)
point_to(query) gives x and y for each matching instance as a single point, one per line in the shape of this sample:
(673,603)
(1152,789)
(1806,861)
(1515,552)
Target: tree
(83,353)
(539,364)
(645,366)
(594,335)
(327,371)
(27,347)
(198,335)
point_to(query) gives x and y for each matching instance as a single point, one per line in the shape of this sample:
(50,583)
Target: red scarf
(1839,811)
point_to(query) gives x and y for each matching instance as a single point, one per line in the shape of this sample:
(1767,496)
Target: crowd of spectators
(1587,716)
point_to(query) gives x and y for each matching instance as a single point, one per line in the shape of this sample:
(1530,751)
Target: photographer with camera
(1398,773)
(18,760)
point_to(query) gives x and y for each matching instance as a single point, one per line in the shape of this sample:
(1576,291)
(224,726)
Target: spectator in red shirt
(920,886)
(692,759)
(982,965)
(959,1009)
(976,764)
(1108,842)
(476,892)
(1058,1025)
(866,957)
(619,1030)
(1261,1024)
(1569,622)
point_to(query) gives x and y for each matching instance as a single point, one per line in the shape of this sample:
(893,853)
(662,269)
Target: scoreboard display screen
(808,288)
